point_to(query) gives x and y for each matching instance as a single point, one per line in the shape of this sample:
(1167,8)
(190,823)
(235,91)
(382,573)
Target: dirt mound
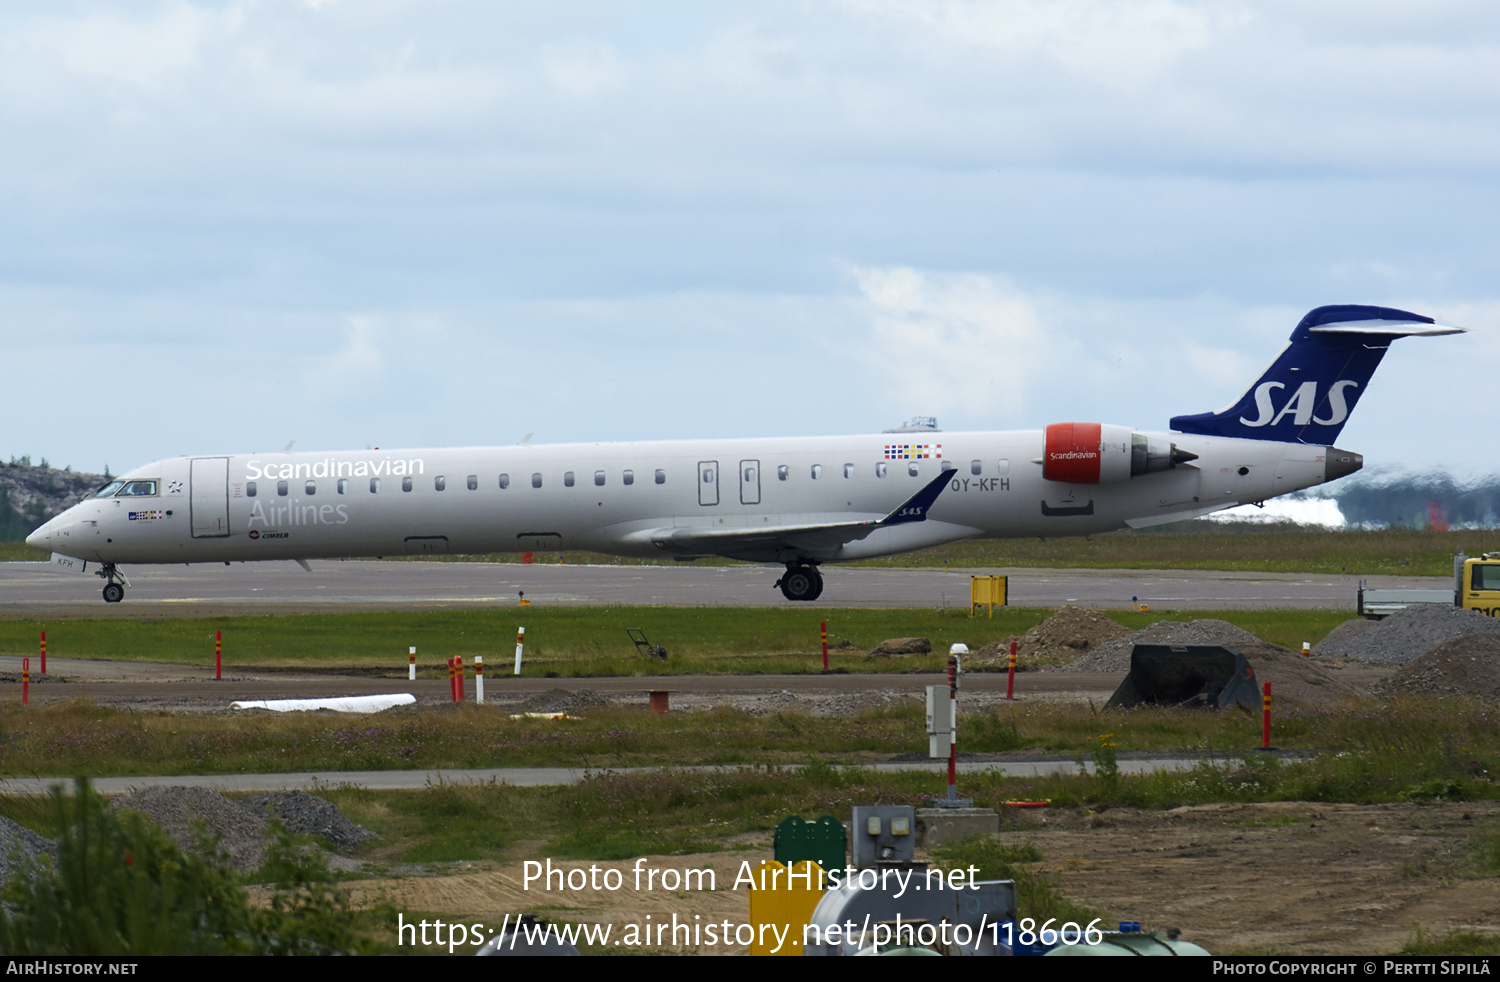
(1293,678)
(1114,655)
(18,844)
(1340,637)
(901,646)
(1064,636)
(176,809)
(1408,634)
(563,701)
(1468,665)
(307,814)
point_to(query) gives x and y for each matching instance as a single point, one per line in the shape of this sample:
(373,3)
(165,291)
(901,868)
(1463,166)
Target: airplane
(799,502)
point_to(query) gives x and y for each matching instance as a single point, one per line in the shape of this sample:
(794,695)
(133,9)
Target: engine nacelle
(1097,453)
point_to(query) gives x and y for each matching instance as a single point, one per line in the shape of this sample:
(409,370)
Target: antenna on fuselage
(524,440)
(288,447)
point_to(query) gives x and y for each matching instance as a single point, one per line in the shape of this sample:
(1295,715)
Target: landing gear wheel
(113,593)
(801,583)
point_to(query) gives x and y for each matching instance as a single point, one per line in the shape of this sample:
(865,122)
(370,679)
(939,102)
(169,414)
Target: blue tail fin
(1314,384)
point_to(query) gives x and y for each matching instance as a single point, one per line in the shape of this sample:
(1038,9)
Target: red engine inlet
(1073,453)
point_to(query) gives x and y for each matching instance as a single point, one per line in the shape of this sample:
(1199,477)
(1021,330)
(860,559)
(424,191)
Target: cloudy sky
(224,226)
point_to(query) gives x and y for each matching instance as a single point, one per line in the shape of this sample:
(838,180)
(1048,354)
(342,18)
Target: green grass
(588,641)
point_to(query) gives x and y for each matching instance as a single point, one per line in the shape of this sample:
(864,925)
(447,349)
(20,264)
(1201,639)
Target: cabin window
(406,484)
(281,488)
(947,466)
(661,477)
(343,486)
(598,479)
(848,471)
(250,489)
(567,479)
(440,483)
(911,468)
(782,471)
(629,477)
(880,468)
(1003,466)
(473,482)
(504,481)
(817,471)
(976,468)
(310,488)
(536,480)
(374,485)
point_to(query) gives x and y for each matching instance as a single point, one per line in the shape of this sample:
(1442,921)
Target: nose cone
(42,537)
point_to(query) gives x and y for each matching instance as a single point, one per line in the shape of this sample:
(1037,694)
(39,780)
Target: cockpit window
(109,489)
(138,489)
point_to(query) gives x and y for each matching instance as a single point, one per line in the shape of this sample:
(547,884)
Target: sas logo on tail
(1301,405)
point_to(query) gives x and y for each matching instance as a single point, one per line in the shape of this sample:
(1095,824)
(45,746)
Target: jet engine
(1097,453)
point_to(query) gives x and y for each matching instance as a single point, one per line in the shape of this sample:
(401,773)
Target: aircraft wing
(810,537)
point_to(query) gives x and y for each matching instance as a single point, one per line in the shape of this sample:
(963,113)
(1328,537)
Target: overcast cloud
(228,225)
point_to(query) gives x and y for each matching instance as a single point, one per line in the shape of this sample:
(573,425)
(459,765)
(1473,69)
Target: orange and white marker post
(825,645)
(479,678)
(25,681)
(411,664)
(218,654)
(44,652)
(520,642)
(1010,680)
(1265,729)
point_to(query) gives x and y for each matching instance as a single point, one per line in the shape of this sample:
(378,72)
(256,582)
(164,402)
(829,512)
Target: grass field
(582,641)
(1192,545)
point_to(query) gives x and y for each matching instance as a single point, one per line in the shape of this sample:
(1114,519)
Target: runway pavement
(40,589)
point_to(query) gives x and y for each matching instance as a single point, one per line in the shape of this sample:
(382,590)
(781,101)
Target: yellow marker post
(784,895)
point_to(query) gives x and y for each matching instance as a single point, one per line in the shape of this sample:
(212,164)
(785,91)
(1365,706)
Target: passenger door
(209,502)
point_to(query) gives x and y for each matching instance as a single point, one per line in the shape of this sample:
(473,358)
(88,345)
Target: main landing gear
(113,591)
(801,582)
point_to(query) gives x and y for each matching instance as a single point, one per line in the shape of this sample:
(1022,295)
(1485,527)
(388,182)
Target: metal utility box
(883,834)
(988,591)
(823,840)
(942,710)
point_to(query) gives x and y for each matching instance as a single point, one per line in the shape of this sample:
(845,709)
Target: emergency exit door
(708,482)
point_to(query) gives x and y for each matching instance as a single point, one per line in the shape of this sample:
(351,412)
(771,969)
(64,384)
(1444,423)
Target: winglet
(914,509)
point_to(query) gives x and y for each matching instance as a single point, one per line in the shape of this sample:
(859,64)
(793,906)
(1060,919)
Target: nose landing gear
(802,581)
(113,591)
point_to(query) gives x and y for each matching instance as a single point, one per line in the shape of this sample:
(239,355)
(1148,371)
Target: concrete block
(938,826)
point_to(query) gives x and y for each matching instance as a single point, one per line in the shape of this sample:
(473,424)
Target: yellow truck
(1476,586)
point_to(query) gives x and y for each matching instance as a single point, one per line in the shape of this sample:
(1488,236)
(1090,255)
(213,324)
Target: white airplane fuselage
(576,497)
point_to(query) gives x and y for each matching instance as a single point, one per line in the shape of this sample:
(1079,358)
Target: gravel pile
(1063,637)
(17,842)
(1114,656)
(176,809)
(1468,665)
(563,701)
(1407,634)
(306,814)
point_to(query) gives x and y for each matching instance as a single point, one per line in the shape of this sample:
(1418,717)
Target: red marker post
(218,654)
(25,681)
(1265,730)
(458,678)
(824,626)
(1010,681)
(44,652)
(451,694)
